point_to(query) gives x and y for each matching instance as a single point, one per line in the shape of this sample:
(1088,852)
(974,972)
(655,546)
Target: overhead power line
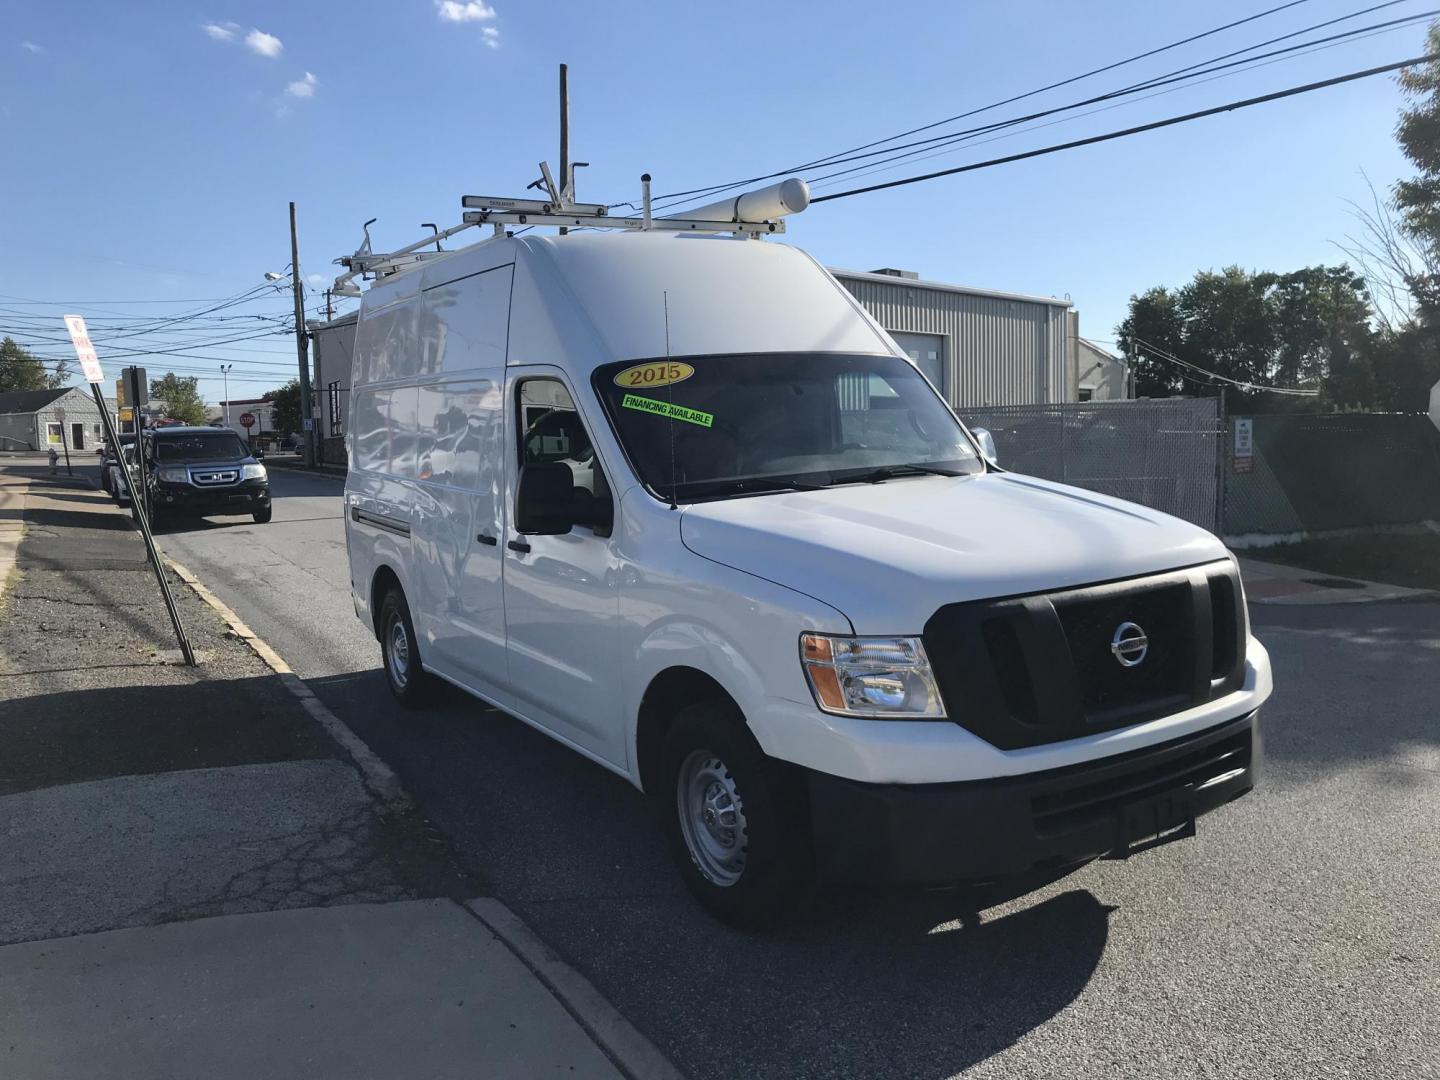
(1154,125)
(1192,75)
(1216,377)
(716,189)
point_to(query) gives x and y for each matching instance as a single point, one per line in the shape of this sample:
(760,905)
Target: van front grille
(1026,670)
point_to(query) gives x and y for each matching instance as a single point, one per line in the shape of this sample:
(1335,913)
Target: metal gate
(1164,454)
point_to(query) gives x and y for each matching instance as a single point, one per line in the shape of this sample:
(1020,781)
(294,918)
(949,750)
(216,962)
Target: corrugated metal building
(980,347)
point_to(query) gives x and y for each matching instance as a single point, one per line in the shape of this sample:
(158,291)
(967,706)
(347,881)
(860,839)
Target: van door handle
(518,545)
(487,539)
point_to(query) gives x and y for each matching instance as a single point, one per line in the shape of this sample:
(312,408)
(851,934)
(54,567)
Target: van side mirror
(548,503)
(544,503)
(987,444)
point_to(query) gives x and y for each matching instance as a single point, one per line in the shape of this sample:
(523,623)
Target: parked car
(202,471)
(109,461)
(119,477)
(681,504)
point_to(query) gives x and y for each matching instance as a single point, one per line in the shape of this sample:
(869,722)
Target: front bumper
(984,830)
(242,498)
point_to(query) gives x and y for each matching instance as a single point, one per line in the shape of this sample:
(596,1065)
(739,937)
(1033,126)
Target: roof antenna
(670,395)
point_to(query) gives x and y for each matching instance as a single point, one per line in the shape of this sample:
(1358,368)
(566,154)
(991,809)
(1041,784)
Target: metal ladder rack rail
(562,211)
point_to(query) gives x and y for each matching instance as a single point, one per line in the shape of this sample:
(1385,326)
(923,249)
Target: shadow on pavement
(102,517)
(909,984)
(107,731)
(1354,683)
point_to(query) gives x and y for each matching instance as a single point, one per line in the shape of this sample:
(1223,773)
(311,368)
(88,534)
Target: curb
(631,1052)
(379,777)
(635,1055)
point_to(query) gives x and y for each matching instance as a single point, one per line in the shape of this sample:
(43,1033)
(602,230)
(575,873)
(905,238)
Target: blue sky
(152,148)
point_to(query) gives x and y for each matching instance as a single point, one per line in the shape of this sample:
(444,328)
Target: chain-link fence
(1164,454)
(1312,472)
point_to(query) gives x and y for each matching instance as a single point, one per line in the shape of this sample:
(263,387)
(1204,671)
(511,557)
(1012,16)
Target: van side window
(551,432)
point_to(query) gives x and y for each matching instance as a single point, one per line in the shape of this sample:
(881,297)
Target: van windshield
(706,427)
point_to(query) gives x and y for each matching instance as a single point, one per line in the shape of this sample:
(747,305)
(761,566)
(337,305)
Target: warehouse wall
(1000,350)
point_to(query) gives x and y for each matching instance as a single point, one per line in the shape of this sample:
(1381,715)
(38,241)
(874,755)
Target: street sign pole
(64,442)
(138,393)
(80,337)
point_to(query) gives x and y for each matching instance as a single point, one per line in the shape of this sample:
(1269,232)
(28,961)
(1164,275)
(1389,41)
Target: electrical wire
(1191,78)
(1138,129)
(830,158)
(1294,391)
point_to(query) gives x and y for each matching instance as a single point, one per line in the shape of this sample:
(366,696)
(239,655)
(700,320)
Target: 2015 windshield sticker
(655,373)
(667,410)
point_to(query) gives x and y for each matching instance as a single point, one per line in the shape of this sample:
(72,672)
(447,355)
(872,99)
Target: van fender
(386,558)
(686,643)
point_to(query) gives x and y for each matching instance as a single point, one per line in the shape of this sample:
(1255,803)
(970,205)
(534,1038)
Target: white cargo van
(680,503)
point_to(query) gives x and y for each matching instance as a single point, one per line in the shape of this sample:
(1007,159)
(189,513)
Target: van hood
(887,555)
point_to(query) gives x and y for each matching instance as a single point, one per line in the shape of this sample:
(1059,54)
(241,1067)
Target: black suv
(201,471)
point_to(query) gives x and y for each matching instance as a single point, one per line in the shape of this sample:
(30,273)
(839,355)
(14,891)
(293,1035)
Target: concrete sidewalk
(1274,583)
(195,878)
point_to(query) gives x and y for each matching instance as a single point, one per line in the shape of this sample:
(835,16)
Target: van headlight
(871,676)
(255,471)
(172,474)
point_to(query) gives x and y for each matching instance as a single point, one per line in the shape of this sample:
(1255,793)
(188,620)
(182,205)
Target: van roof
(588,299)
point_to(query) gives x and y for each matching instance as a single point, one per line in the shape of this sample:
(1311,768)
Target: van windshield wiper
(746,485)
(890,472)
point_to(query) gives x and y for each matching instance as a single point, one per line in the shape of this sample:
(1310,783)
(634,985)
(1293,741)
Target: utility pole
(329,307)
(564,137)
(302,352)
(225,374)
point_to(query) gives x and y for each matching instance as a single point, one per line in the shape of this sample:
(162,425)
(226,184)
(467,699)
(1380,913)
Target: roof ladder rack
(752,214)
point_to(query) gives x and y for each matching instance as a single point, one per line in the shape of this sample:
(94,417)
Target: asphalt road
(1297,936)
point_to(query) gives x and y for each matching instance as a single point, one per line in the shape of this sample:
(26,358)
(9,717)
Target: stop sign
(247,420)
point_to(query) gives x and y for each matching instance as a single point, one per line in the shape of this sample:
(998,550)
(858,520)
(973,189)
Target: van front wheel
(411,684)
(734,826)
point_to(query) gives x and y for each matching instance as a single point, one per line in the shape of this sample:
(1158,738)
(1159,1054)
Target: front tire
(262,516)
(736,824)
(412,685)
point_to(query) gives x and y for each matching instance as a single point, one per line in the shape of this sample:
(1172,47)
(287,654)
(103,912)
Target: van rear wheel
(412,685)
(736,828)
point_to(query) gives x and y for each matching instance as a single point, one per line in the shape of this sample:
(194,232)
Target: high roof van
(678,502)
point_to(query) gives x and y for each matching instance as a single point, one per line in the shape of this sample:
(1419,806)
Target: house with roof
(39,419)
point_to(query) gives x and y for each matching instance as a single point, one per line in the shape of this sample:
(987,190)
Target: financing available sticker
(667,410)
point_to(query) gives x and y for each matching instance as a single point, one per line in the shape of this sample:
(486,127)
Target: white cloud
(463,11)
(221,31)
(318,281)
(32,48)
(257,41)
(303,88)
(492,37)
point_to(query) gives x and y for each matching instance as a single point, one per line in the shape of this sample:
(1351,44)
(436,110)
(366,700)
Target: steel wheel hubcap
(398,653)
(712,817)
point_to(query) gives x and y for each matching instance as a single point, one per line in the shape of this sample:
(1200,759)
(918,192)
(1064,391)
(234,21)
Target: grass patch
(1412,560)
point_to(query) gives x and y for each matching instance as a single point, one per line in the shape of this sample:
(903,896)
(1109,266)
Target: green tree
(285,407)
(1418,199)
(181,397)
(21,371)
(1296,330)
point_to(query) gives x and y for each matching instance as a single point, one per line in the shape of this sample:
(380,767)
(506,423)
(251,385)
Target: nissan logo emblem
(1129,644)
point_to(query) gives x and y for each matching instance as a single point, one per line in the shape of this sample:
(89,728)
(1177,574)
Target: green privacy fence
(1310,473)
